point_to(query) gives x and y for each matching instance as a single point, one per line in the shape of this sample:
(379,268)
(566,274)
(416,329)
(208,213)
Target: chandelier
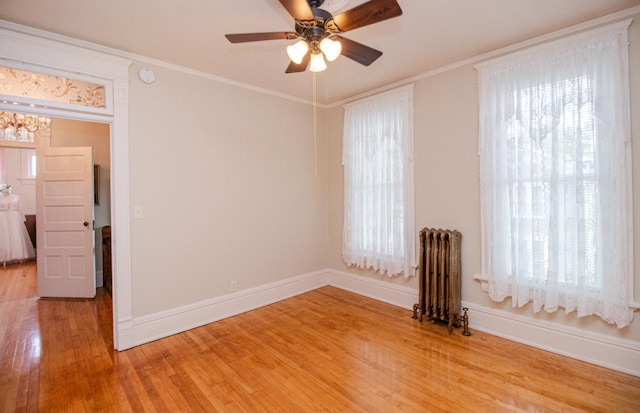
(21,128)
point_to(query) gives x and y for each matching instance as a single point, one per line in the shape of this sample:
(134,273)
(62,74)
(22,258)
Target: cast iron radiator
(439,275)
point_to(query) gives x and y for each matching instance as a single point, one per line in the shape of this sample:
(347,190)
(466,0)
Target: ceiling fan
(319,33)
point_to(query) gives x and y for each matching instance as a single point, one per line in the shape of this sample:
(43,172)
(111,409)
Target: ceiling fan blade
(367,13)
(295,67)
(254,37)
(298,9)
(358,52)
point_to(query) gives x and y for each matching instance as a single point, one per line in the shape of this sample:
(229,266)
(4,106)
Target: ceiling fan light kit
(297,51)
(319,33)
(331,48)
(317,62)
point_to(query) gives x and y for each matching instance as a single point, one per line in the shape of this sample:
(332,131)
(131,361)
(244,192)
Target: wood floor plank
(324,351)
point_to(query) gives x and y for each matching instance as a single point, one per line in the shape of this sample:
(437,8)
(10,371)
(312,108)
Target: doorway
(31,50)
(65,133)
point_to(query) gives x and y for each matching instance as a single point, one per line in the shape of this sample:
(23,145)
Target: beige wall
(447,185)
(226,179)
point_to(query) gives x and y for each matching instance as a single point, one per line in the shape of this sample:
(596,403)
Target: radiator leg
(465,323)
(452,323)
(417,312)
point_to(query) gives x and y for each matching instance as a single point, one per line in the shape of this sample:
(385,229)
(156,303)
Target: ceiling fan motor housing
(313,31)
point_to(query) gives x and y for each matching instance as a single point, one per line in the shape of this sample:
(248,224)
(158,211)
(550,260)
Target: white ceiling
(190,33)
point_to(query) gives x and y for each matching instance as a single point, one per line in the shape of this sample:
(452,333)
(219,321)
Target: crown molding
(575,29)
(18,28)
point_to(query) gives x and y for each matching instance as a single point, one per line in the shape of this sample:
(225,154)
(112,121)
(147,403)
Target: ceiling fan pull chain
(315,127)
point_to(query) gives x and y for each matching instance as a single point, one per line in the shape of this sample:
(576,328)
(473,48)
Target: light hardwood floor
(325,351)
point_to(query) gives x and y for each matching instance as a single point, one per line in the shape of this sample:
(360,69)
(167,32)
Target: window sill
(484,282)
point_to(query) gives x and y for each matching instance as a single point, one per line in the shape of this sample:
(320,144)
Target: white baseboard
(125,338)
(616,354)
(594,348)
(397,295)
(176,320)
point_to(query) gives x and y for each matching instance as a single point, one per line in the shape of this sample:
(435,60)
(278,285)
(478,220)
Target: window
(557,183)
(378,183)
(555,172)
(28,163)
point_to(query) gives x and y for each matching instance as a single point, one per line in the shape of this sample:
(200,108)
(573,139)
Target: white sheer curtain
(378,183)
(555,162)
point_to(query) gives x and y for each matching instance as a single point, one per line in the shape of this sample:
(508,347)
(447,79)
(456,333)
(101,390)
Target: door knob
(86,224)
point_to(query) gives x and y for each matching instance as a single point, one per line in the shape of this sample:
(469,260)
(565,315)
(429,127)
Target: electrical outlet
(234,286)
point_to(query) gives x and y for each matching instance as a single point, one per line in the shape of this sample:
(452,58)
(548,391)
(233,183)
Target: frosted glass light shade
(297,51)
(330,48)
(317,62)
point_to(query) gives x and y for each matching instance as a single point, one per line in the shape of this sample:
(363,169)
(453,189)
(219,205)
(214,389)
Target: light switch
(138,212)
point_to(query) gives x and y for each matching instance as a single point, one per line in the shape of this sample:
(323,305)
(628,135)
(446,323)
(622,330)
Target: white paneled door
(64,208)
